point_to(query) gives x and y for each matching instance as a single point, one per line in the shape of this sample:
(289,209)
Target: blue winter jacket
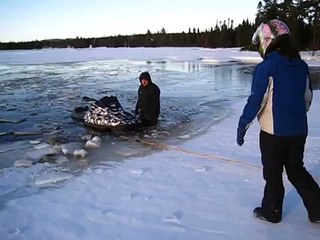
(280,97)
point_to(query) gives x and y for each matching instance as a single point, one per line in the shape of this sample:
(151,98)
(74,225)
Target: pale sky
(25,20)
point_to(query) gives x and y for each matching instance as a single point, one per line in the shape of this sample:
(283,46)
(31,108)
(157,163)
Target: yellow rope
(203,155)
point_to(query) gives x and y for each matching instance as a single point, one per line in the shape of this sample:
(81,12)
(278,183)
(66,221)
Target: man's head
(145,79)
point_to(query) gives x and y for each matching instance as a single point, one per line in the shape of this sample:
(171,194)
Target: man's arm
(158,100)
(138,104)
(308,93)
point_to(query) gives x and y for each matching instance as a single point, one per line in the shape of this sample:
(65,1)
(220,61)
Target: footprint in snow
(174,218)
(133,195)
(203,169)
(138,171)
(107,210)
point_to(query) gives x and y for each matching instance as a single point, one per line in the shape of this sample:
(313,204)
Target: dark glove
(241,132)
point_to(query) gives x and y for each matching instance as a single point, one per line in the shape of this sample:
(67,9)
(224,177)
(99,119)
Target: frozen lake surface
(194,95)
(126,189)
(38,99)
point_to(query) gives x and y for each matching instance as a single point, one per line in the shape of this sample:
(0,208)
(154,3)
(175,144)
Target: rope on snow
(163,146)
(203,155)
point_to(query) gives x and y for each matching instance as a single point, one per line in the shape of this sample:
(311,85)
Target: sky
(48,19)
(204,187)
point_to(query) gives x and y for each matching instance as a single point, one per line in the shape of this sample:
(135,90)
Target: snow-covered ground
(143,54)
(218,55)
(202,188)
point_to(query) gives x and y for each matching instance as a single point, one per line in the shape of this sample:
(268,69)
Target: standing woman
(280,97)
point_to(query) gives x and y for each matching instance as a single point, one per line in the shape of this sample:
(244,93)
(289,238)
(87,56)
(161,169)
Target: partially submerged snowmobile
(106,114)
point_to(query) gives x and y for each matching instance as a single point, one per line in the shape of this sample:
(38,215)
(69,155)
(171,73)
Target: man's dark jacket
(148,105)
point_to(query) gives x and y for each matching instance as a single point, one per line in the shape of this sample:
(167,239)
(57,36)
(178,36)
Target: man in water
(148,104)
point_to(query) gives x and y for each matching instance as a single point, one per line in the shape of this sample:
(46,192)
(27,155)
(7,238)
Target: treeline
(302,16)
(223,35)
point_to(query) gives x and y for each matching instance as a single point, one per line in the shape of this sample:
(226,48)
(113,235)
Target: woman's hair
(285,46)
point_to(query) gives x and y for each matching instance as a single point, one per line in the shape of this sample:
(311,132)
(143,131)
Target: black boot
(314,219)
(259,213)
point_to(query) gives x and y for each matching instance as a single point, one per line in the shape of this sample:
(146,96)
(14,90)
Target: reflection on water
(186,66)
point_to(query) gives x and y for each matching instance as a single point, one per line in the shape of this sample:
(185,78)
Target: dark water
(44,95)
(315,77)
